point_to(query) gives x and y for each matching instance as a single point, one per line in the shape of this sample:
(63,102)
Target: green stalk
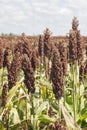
(26,113)
(45,68)
(32,111)
(40,77)
(8,120)
(60,113)
(64,95)
(73,86)
(79,103)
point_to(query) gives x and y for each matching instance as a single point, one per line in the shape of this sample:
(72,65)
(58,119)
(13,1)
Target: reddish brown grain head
(47,43)
(6,62)
(63,56)
(34,59)
(28,74)
(57,75)
(81,72)
(75,23)
(4,94)
(14,67)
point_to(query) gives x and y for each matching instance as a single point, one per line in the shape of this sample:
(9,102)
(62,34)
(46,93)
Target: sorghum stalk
(26,126)
(85,69)
(76,57)
(1,61)
(8,121)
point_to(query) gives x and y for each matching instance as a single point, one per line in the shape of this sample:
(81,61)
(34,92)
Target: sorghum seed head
(75,23)
(4,94)
(28,73)
(57,75)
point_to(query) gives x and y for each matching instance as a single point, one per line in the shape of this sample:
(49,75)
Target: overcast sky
(33,16)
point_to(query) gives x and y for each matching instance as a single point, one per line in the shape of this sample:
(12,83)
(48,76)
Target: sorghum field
(43,81)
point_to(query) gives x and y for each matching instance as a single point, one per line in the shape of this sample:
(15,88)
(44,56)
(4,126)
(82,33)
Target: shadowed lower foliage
(59,126)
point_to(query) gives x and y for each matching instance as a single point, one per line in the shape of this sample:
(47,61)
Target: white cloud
(32,16)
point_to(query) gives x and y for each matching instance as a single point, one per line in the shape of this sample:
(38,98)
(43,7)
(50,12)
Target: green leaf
(14,116)
(1,126)
(71,124)
(55,106)
(13,91)
(42,107)
(46,119)
(69,100)
(84,116)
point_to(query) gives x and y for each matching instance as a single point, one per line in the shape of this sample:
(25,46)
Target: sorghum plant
(85,69)
(34,59)
(6,62)
(18,47)
(72,46)
(81,73)
(59,125)
(41,48)
(57,75)
(4,94)
(63,56)
(47,44)
(75,43)
(14,67)
(1,55)
(28,73)
(80,49)
(26,47)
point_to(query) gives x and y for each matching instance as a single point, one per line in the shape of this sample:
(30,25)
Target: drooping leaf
(14,116)
(46,119)
(71,124)
(13,91)
(42,107)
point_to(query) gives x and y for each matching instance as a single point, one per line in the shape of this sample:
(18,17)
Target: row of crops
(44,86)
